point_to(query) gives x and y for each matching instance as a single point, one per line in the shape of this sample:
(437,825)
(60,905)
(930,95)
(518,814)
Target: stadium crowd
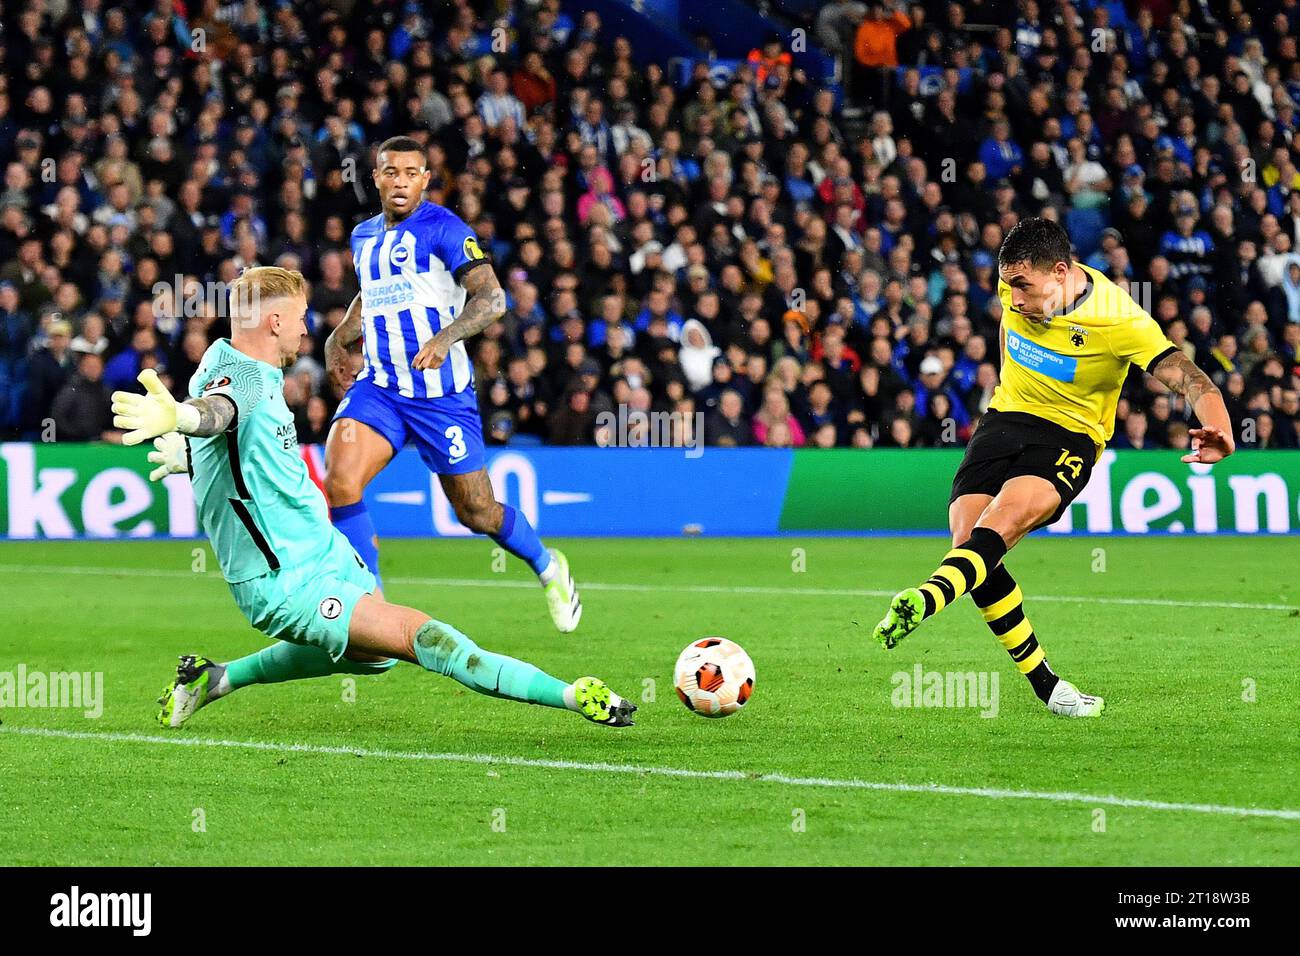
(804,267)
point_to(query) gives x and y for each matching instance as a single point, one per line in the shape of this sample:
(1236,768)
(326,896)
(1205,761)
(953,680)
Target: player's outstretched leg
(200,681)
(963,568)
(444,650)
(476,507)
(392,630)
(1002,605)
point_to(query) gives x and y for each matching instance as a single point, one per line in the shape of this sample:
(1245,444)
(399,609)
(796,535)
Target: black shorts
(1007,445)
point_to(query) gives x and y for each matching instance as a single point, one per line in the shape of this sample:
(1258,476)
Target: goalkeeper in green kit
(295,577)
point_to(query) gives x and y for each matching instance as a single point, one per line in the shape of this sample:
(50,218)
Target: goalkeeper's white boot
(562,594)
(196,680)
(1068,701)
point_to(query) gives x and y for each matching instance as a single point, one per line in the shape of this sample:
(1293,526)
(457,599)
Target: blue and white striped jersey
(410,289)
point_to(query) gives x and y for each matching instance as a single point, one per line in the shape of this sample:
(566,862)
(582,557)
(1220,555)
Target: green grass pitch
(1156,632)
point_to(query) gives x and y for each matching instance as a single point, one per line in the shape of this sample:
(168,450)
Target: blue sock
(518,537)
(354,521)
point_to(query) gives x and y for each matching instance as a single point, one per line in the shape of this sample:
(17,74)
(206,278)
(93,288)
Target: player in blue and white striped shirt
(425,287)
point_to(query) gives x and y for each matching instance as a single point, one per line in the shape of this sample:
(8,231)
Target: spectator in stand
(769,59)
(533,84)
(727,425)
(315,424)
(573,421)
(875,47)
(1286,419)
(938,426)
(15,339)
(1134,434)
(774,425)
(82,409)
(900,433)
(697,354)
(1001,155)
(497,104)
(930,384)
(601,194)
(122,369)
(837,26)
(48,372)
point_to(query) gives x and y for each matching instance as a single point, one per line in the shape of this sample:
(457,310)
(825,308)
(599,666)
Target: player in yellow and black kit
(1069,335)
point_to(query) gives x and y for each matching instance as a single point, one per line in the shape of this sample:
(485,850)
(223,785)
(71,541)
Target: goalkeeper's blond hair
(262,284)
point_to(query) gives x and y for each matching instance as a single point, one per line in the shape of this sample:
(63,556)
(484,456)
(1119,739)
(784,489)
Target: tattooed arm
(340,340)
(1213,440)
(215,415)
(486,304)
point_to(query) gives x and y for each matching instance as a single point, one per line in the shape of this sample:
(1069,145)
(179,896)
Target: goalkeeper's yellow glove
(171,456)
(153,413)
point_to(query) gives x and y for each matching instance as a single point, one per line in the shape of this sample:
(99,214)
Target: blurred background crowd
(806,264)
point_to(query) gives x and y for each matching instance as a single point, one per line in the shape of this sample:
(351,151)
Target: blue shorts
(447,430)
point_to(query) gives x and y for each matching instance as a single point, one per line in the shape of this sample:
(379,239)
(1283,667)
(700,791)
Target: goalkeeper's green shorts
(309,603)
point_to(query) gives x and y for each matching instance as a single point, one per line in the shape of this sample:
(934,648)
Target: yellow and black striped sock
(1000,601)
(963,568)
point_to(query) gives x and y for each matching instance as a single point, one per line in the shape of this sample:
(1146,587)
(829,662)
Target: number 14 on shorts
(1074,463)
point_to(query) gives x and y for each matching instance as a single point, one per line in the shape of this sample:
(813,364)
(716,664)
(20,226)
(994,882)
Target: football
(714,677)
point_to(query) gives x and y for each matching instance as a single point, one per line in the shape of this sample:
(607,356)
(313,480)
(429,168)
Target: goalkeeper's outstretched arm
(156,413)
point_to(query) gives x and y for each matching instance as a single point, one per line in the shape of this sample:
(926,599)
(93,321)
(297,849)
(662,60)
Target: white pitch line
(660,588)
(988,793)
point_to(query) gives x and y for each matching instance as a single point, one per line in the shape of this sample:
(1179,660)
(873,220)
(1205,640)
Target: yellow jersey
(1069,368)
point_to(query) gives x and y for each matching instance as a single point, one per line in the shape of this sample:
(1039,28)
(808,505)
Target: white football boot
(562,595)
(1068,701)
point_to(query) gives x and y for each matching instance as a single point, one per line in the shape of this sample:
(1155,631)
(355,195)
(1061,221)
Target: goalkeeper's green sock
(444,650)
(285,661)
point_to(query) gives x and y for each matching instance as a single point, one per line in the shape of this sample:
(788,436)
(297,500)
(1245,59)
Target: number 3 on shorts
(457,437)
